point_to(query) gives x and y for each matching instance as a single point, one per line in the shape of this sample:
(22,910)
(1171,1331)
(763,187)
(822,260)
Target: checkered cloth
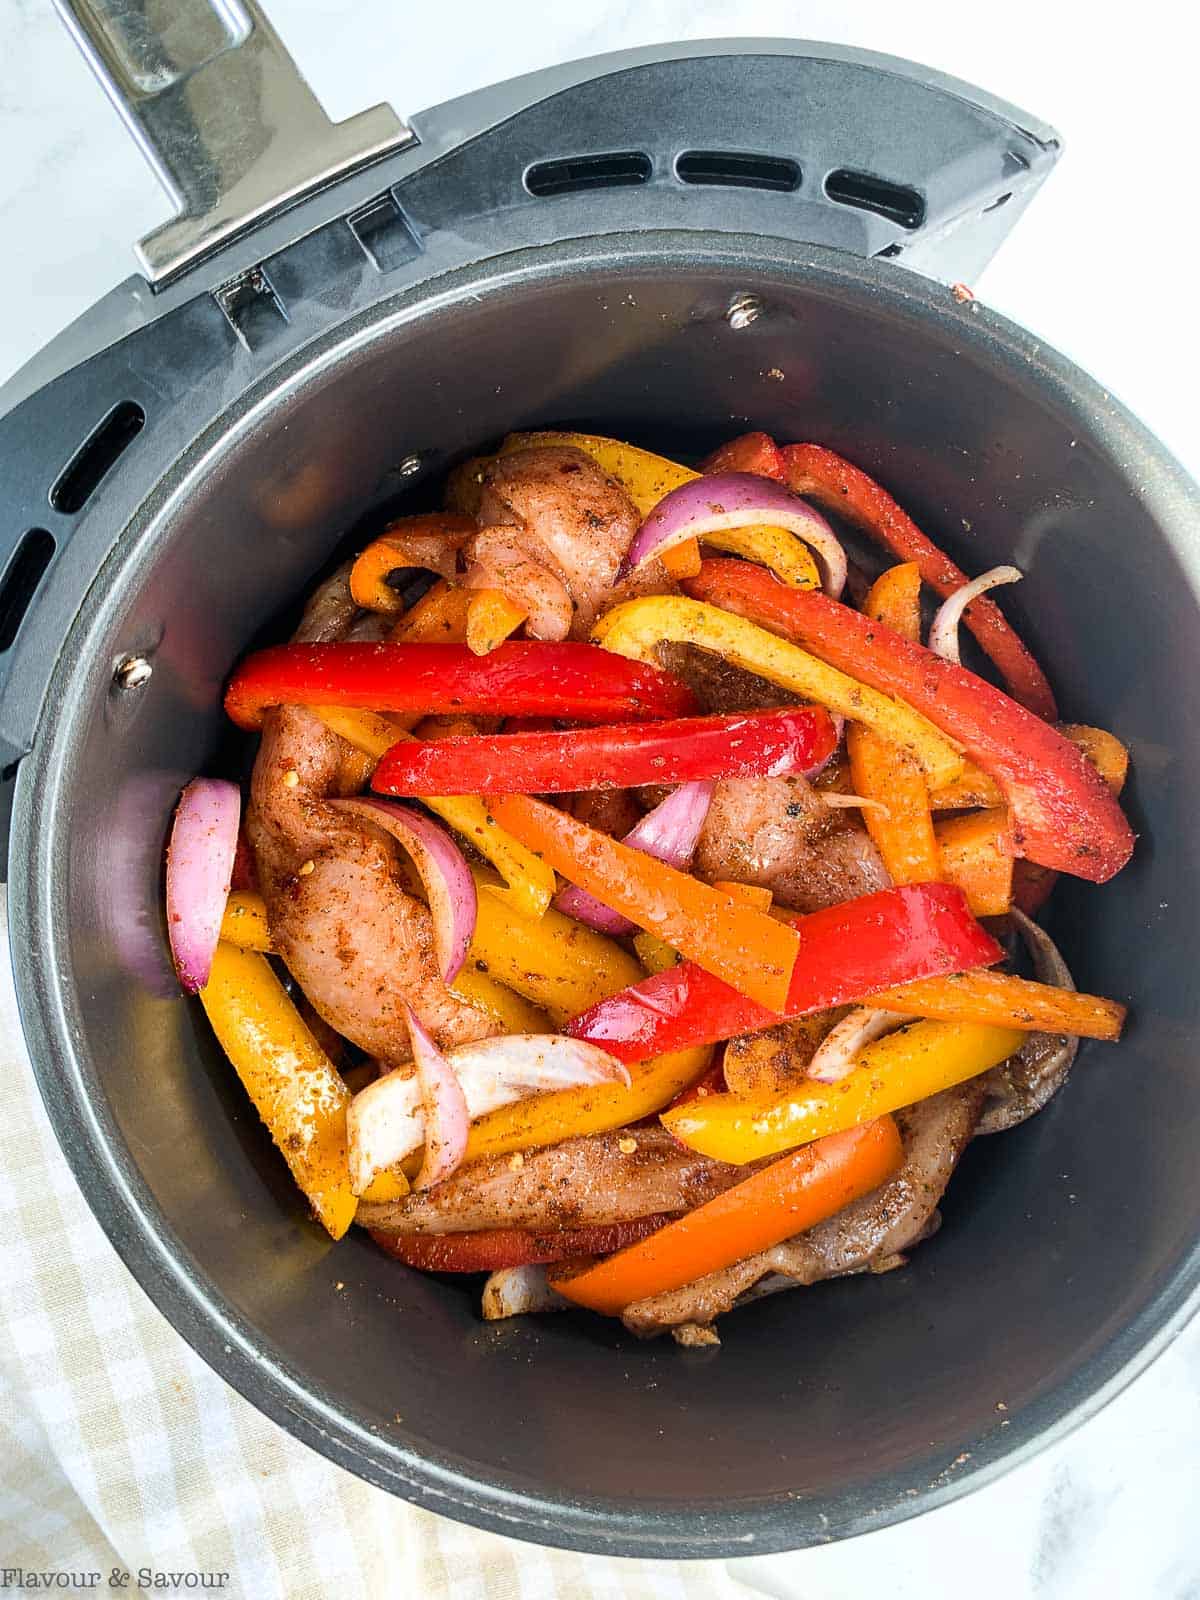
(120,1449)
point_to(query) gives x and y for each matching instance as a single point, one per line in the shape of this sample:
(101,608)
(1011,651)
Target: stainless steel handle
(221,112)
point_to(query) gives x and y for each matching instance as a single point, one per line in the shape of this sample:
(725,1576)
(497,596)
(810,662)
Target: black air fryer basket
(632,244)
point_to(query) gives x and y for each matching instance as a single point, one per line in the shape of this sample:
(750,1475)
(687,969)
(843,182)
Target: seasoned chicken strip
(779,834)
(357,944)
(553,529)
(581,1183)
(868,1234)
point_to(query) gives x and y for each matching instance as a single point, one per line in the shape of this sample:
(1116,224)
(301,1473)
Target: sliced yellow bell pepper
(245,921)
(529,884)
(635,628)
(293,1084)
(511,1011)
(895,1071)
(655,954)
(544,1119)
(558,963)
(646,478)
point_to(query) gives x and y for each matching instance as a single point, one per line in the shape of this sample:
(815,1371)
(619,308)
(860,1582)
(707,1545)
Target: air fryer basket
(1069,1251)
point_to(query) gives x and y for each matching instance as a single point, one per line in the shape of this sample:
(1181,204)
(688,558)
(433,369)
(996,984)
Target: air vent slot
(737,169)
(623,169)
(866,193)
(383,233)
(91,464)
(25,571)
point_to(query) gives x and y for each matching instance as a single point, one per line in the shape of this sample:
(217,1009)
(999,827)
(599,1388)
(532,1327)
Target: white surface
(1098,267)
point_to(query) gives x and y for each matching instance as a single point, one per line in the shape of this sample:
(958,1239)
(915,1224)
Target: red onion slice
(839,1048)
(735,500)
(385,1121)
(443,869)
(668,833)
(199,866)
(443,1106)
(943,631)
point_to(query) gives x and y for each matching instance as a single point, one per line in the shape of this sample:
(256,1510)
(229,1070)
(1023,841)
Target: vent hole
(25,571)
(735,169)
(622,170)
(92,462)
(891,200)
(383,233)
(996,204)
(889,251)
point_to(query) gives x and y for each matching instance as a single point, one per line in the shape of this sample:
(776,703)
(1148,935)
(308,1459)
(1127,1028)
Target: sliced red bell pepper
(490,1249)
(571,680)
(743,946)
(748,744)
(752,452)
(846,953)
(839,486)
(1064,814)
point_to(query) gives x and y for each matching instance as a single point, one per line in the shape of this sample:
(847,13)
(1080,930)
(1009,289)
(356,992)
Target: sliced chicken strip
(778,833)
(356,943)
(872,1230)
(581,1183)
(553,530)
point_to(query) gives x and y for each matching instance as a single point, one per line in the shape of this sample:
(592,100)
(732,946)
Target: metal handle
(221,112)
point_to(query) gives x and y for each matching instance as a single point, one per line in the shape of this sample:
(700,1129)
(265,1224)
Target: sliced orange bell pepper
(431,541)
(491,618)
(752,894)
(439,617)
(977,852)
(895,1071)
(747,949)
(1005,1001)
(784,1199)
(883,771)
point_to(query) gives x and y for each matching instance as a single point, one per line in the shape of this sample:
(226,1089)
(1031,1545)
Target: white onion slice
(735,500)
(837,801)
(839,1048)
(943,631)
(199,864)
(517,1291)
(386,1122)
(668,833)
(443,869)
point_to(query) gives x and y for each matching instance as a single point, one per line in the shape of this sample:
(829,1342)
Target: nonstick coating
(1069,1250)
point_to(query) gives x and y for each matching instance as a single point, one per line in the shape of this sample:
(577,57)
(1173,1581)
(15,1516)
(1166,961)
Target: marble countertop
(1096,267)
